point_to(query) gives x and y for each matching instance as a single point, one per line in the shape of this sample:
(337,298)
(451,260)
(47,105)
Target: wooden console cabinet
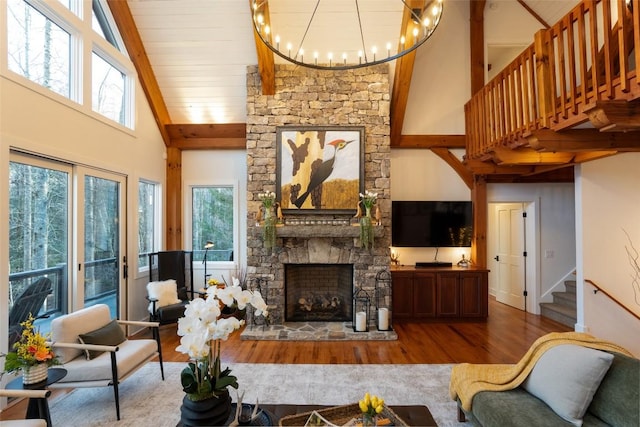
(439,293)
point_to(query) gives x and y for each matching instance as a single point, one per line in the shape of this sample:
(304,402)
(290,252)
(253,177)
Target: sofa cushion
(67,328)
(513,408)
(165,292)
(566,377)
(617,401)
(109,334)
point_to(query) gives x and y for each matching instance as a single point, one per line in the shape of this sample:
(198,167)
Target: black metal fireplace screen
(318,292)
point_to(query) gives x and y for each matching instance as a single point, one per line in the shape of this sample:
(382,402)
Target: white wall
(555,222)
(608,202)
(421,175)
(35,123)
(441,82)
(218,167)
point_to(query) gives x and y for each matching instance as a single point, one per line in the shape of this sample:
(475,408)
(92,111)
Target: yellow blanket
(468,379)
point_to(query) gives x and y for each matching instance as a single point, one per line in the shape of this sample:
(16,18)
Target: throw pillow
(109,334)
(166,292)
(566,377)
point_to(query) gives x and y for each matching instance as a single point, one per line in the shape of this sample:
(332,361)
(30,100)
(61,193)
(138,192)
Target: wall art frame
(319,169)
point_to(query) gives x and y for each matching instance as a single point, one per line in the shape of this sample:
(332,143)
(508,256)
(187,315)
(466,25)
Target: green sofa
(615,403)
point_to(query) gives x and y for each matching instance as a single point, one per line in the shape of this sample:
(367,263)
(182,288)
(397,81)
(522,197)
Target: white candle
(361,321)
(383,319)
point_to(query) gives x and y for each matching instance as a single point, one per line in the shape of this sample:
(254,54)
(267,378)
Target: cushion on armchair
(109,334)
(165,292)
(566,377)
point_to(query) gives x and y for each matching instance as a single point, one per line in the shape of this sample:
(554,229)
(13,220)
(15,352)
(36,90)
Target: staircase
(563,307)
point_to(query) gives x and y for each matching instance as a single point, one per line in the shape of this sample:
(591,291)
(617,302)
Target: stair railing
(611,297)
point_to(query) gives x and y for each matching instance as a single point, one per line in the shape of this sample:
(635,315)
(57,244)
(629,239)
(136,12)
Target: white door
(509,261)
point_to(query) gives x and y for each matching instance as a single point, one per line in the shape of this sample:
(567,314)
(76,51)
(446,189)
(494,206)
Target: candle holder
(383,296)
(361,306)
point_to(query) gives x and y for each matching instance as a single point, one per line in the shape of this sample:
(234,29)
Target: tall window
(37,48)
(44,45)
(148,212)
(212,220)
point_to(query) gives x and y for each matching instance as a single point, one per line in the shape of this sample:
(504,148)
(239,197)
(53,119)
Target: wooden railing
(553,82)
(612,298)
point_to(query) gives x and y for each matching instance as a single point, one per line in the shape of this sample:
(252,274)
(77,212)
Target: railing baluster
(593,44)
(572,64)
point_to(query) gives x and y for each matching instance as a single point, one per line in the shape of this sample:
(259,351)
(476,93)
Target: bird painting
(323,172)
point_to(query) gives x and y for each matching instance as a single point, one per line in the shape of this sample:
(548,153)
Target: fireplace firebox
(318,292)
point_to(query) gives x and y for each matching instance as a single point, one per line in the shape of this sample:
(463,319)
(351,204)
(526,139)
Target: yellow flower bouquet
(32,349)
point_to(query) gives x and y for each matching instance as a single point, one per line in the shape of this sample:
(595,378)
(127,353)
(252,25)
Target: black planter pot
(213,411)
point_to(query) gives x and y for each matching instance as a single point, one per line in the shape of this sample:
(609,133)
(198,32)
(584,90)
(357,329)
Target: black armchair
(170,265)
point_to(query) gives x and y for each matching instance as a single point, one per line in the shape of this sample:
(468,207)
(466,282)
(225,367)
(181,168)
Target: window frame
(157,224)
(84,42)
(188,235)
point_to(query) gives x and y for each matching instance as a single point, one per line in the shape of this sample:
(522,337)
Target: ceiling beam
(478,167)
(402,76)
(133,43)
(266,64)
(528,156)
(615,116)
(430,141)
(534,14)
(456,164)
(586,140)
(476,32)
(212,136)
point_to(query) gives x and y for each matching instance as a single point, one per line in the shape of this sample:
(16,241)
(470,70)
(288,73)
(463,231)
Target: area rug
(146,400)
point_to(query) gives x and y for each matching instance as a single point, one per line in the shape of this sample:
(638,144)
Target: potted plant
(202,330)
(32,354)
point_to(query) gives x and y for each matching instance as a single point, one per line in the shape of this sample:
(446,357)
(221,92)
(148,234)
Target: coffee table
(413,415)
(38,408)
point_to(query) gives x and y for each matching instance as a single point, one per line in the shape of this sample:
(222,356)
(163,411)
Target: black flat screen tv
(431,223)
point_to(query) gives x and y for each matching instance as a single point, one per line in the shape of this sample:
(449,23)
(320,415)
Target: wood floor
(504,338)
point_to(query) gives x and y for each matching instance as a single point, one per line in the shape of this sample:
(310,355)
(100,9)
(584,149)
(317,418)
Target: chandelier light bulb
(260,18)
(315,57)
(359,57)
(388,49)
(402,40)
(374,50)
(267,29)
(426,22)
(301,52)
(289,49)
(435,10)
(277,42)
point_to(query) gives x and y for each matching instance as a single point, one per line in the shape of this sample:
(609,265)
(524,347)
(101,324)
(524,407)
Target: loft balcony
(570,97)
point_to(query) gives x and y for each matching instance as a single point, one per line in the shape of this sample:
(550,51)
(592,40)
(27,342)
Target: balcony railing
(588,56)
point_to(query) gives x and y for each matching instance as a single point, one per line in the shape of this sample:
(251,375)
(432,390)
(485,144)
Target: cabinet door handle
(497,258)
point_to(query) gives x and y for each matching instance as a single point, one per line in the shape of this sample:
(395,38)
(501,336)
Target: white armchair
(96,353)
(30,394)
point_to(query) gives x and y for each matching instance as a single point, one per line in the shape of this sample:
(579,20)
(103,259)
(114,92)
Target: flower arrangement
(368,200)
(202,329)
(268,199)
(30,350)
(370,407)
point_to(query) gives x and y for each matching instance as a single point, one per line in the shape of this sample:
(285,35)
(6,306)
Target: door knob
(497,258)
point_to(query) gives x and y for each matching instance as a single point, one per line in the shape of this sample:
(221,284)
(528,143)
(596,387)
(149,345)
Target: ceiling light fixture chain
(376,23)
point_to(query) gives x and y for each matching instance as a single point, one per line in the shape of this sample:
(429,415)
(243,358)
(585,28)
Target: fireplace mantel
(316,230)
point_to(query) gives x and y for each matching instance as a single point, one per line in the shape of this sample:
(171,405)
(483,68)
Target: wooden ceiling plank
(266,63)
(430,141)
(133,43)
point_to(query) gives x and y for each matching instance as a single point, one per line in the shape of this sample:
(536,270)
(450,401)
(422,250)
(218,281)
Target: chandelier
(344,34)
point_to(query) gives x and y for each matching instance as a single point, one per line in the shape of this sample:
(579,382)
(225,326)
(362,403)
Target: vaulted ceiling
(192,56)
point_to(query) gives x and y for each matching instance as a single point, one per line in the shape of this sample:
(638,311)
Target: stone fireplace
(318,292)
(306,96)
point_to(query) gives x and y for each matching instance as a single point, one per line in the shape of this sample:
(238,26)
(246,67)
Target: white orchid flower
(235,281)
(196,345)
(258,303)
(244,298)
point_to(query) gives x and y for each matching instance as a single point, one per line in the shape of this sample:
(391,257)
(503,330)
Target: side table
(38,408)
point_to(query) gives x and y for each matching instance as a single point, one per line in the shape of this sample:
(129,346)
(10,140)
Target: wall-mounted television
(431,223)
